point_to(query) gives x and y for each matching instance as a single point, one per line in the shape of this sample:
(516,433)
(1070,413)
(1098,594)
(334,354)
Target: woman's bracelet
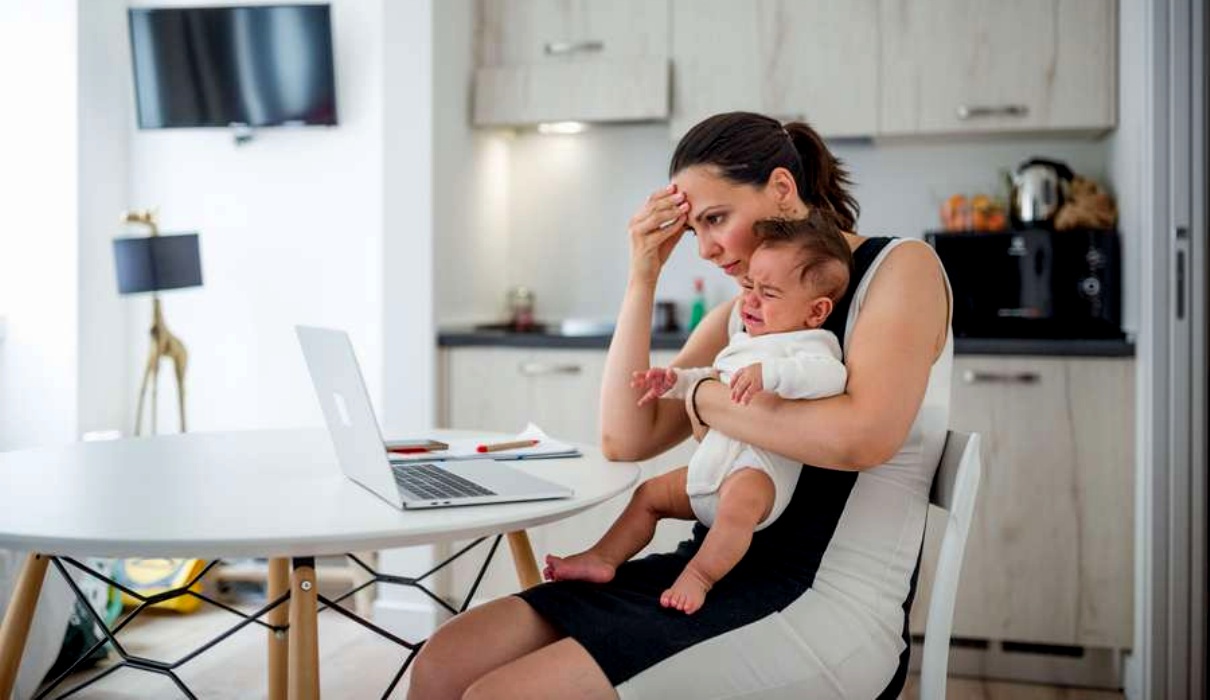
(693,399)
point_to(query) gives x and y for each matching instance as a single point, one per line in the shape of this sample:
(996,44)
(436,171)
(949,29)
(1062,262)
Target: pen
(408,450)
(497,446)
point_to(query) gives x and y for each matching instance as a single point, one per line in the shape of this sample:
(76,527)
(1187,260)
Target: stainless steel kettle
(1039,189)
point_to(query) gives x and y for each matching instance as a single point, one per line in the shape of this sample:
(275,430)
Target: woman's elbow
(869,447)
(617,449)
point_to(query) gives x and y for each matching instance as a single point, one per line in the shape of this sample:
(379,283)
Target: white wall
(38,240)
(470,180)
(105,113)
(572,196)
(291,231)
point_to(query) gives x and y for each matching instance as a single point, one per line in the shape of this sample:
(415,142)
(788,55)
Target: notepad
(468,448)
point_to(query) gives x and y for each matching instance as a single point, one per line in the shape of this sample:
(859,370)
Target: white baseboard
(412,621)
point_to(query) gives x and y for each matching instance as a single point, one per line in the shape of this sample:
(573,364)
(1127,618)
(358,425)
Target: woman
(817,608)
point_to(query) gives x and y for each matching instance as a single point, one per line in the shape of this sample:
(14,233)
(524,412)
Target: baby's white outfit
(794,365)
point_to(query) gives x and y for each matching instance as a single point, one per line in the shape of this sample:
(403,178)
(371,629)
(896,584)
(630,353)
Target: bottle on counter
(697,311)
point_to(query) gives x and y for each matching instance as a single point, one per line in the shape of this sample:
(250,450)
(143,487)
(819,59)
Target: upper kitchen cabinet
(976,66)
(790,59)
(582,60)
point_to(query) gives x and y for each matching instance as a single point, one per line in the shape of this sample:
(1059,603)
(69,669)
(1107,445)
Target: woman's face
(722,213)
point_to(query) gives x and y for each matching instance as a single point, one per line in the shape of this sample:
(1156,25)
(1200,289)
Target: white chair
(955,487)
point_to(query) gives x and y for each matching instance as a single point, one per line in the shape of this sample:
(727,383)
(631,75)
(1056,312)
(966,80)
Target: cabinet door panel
(804,59)
(486,392)
(1048,557)
(564,388)
(1054,59)
(514,32)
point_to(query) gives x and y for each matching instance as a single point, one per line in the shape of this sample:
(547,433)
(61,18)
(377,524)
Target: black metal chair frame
(169,668)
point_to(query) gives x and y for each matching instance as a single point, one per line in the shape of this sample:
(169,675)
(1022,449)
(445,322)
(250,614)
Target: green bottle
(698,311)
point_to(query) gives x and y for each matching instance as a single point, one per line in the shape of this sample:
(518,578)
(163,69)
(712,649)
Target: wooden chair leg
(363,600)
(18,618)
(279,643)
(523,559)
(304,635)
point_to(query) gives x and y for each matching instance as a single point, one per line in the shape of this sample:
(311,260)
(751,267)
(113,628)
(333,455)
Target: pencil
(497,446)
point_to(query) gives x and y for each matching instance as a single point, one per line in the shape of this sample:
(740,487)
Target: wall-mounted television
(257,65)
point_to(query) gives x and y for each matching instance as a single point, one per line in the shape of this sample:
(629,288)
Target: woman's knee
(431,675)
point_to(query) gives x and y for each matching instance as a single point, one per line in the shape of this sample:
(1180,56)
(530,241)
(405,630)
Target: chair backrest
(955,486)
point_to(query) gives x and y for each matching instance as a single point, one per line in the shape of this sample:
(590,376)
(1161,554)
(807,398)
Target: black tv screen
(263,65)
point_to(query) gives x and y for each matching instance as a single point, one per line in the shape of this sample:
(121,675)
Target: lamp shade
(157,263)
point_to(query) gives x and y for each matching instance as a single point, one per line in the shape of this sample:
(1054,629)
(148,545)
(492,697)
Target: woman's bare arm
(631,432)
(900,332)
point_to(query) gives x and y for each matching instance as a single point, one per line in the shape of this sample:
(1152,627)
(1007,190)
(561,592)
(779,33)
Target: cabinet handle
(971,376)
(563,48)
(966,112)
(539,369)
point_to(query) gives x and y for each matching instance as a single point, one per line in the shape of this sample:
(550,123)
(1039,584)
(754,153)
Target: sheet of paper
(468,448)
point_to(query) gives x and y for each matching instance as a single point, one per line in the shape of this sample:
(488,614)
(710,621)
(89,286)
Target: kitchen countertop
(469,337)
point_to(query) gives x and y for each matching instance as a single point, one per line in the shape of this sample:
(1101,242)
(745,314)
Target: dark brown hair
(747,147)
(827,261)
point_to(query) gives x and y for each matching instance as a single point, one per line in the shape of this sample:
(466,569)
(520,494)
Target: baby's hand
(657,381)
(746,383)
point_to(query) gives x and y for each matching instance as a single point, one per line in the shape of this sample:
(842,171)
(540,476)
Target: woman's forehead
(705,182)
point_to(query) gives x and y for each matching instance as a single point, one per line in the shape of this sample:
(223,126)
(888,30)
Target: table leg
(279,644)
(17,619)
(304,637)
(523,559)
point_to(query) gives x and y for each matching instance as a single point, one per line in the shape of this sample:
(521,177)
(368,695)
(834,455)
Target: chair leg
(304,635)
(18,618)
(279,643)
(363,600)
(523,559)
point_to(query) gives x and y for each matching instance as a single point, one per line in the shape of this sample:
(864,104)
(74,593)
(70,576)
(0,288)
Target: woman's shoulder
(908,281)
(903,260)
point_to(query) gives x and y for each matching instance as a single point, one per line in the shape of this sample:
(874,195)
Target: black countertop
(467,337)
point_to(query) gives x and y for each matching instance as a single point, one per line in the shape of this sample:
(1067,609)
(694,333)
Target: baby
(796,275)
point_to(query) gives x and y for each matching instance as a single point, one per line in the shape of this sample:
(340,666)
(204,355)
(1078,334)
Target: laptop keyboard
(428,481)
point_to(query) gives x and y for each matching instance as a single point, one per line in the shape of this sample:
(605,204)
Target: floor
(355,663)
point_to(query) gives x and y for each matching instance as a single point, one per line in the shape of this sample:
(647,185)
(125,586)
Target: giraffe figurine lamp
(154,264)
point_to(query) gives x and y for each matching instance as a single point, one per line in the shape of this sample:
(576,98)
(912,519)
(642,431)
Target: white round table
(274,494)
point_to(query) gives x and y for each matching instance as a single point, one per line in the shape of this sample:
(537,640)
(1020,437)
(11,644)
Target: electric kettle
(1039,188)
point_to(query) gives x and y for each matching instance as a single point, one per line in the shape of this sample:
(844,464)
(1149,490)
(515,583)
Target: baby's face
(775,299)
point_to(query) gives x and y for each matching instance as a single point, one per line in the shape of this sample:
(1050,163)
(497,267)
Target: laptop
(362,453)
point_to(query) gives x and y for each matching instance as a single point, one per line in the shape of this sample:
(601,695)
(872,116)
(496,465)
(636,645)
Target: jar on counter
(521,308)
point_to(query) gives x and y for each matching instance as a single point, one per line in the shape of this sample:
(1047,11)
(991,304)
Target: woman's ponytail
(825,182)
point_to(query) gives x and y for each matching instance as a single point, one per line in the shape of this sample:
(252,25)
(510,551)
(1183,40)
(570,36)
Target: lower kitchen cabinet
(500,389)
(1049,559)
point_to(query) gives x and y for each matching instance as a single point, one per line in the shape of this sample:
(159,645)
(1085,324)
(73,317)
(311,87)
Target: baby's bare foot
(687,594)
(585,566)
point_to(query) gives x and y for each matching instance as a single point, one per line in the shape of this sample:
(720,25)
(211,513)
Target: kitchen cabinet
(973,66)
(791,59)
(500,388)
(554,60)
(1049,556)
